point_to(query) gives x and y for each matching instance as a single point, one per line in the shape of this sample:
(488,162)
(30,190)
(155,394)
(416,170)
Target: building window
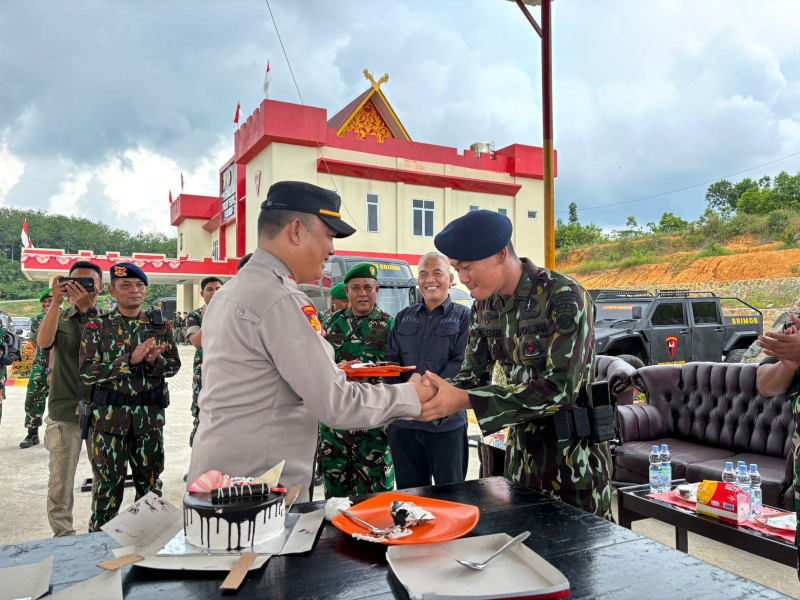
(373,214)
(423,218)
(531,214)
(473,207)
(215,249)
(503,211)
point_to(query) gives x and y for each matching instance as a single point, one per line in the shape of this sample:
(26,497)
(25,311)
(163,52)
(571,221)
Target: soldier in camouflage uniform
(193,324)
(36,395)
(780,374)
(355,462)
(539,326)
(339,300)
(126,355)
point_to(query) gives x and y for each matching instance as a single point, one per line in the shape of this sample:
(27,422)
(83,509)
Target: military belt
(106,397)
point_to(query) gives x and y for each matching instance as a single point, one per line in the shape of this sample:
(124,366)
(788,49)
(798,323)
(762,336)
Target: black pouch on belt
(602,413)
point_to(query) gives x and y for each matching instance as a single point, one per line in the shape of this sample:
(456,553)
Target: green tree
(670,222)
(758,201)
(724,195)
(573,213)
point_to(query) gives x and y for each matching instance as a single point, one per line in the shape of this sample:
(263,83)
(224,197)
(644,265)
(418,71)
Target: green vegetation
(767,209)
(770,300)
(72,234)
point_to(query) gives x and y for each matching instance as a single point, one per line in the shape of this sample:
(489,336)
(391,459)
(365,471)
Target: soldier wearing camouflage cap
(339,301)
(125,355)
(357,461)
(36,394)
(539,325)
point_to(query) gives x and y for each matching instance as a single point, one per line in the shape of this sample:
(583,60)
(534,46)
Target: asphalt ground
(24,473)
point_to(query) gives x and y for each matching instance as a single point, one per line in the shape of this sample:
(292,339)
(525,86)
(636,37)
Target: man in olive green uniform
(60,334)
(193,324)
(36,395)
(539,325)
(358,461)
(125,355)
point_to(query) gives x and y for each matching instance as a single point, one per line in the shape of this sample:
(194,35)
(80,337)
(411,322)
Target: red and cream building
(397,192)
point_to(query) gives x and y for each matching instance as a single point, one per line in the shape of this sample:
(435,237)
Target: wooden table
(600,559)
(633,505)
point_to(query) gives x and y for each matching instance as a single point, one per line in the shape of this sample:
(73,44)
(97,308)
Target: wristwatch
(91,312)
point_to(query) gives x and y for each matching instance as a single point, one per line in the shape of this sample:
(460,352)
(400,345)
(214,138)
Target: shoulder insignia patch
(311,314)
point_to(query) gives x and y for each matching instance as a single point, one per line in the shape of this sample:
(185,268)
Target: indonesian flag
(267,78)
(181,181)
(26,241)
(238,113)
(170,196)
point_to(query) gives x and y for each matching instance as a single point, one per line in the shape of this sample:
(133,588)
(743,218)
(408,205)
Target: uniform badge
(372,271)
(532,310)
(531,348)
(120,271)
(565,317)
(311,314)
(91,325)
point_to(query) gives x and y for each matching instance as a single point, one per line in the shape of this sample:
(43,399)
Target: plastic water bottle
(743,480)
(729,475)
(655,470)
(755,491)
(666,469)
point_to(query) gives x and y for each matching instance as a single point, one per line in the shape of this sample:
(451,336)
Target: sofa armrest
(641,423)
(616,372)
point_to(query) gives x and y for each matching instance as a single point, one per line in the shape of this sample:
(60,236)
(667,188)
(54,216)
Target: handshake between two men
(439,398)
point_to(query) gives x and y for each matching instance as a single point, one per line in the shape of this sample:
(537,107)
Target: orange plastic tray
(453,520)
(379,371)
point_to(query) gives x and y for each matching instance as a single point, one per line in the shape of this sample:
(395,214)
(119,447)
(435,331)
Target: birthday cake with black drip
(232,513)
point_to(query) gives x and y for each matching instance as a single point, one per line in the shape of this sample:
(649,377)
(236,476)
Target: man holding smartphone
(60,331)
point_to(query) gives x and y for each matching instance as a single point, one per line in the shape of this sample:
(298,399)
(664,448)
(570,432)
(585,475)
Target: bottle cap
(664,447)
(728,465)
(655,448)
(754,467)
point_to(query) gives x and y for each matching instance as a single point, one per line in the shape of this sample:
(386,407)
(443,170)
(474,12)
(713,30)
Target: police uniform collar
(272,261)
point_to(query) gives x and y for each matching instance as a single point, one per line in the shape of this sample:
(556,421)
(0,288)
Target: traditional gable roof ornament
(369,114)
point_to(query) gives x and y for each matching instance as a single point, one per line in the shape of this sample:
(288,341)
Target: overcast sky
(104,104)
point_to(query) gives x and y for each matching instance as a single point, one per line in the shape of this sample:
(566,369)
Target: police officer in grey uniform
(268,374)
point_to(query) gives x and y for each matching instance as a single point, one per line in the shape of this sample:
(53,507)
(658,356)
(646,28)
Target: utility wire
(688,187)
(305,112)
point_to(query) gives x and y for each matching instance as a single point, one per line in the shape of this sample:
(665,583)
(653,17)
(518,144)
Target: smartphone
(86,282)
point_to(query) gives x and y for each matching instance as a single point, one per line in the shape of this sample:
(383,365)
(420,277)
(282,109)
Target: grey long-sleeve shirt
(269,377)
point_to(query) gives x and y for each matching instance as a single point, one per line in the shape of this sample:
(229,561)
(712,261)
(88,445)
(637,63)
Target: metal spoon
(479,566)
(374,530)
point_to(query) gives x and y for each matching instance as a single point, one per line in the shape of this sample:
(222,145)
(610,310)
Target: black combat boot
(32,439)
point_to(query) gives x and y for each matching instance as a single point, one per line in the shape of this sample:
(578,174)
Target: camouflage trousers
(2,389)
(577,472)
(355,462)
(111,455)
(36,395)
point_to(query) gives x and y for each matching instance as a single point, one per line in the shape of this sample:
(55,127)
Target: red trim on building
(349,169)
(223,248)
(36,259)
(241,209)
(290,123)
(191,206)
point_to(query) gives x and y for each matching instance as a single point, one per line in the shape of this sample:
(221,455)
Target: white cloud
(11,168)
(65,201)
(138,182)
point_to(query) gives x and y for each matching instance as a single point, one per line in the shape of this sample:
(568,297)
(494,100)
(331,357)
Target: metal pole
(547,130)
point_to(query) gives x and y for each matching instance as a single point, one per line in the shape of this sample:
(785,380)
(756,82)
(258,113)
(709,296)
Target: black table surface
(600,559)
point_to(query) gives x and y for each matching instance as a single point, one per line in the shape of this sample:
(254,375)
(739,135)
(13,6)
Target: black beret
(308,198)
(475,236)
(126,270)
